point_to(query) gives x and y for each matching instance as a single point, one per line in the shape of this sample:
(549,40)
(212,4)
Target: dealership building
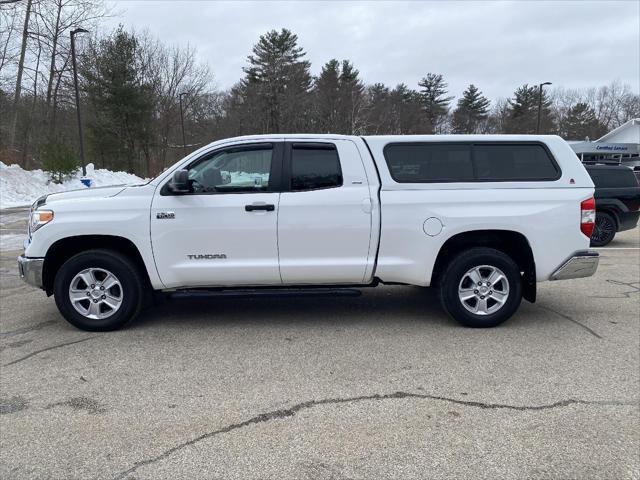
(621,145)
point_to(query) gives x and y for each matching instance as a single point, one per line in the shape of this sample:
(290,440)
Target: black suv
(617,201)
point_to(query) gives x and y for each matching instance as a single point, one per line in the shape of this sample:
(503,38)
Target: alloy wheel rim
(602,229)
(96,293)
(483,290)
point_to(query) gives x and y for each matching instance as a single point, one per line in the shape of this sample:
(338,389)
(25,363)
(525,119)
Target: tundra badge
(165,215)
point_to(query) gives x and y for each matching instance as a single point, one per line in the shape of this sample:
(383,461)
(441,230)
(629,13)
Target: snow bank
(244,178)
(20,187)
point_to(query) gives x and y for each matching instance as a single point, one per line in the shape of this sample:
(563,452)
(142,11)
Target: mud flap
(529,285)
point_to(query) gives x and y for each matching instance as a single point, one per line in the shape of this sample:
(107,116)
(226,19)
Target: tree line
(132,86)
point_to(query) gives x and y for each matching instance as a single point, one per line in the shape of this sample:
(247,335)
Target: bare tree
(57,18)
(498,117)
(562,101)
(18,90)
(31,118)
(613,104)
(9,20)
(172,70)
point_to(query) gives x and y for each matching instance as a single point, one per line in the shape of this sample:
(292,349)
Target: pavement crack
(291,411)
(53,347)
(634,286)
(567,317)
(31,328)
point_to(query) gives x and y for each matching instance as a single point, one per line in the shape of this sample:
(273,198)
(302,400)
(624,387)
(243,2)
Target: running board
(272,293)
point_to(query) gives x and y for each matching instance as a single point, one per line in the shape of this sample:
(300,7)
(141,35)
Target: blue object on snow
(86,182)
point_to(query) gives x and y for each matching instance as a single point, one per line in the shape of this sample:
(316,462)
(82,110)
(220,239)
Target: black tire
(453,276)
(604,229)
(128,275)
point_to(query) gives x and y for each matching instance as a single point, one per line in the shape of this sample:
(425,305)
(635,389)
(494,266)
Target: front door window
(233,171)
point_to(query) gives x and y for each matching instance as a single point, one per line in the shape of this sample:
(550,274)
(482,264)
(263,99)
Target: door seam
(278,237)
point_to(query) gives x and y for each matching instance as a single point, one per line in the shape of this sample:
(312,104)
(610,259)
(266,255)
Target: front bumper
(31,270)
(579,265)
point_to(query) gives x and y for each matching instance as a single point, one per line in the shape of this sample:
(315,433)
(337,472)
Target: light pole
(184,141)
(540,104)
(75,83)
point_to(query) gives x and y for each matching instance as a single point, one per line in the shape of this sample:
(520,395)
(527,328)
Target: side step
(264,292)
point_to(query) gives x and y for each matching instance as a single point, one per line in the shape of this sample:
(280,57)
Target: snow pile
(20,187)
(244,178)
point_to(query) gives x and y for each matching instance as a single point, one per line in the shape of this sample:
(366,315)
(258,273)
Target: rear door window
(314,166)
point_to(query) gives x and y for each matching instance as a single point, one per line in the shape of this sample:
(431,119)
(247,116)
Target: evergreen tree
(277,83)
(471,112)
(58,159)
(406,111)
(581,122)
(378,120)
(351,99)
(339,98)
(434,100)
(523,111)
(119,100)
(327,97)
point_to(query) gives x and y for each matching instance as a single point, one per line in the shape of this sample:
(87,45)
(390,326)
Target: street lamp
(540,104)
(75,82)
(184,141)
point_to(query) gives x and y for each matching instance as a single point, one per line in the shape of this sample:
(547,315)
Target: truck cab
(268,213)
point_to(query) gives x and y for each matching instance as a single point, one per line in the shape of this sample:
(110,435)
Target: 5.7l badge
(165,215)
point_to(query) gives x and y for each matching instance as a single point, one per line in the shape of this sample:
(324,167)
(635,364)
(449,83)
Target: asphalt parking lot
(381,385)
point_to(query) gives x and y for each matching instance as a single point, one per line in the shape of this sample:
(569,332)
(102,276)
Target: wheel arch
(512,243)
(62,250)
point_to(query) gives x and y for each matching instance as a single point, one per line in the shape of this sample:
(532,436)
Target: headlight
(39,218)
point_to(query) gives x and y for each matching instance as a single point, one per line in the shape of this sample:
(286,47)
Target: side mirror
(180,182)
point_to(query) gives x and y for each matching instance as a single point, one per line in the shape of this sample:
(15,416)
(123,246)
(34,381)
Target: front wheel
(98,290)
(604,230)
(481,288)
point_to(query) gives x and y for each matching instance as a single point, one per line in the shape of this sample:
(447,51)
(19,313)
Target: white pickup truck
(482,218)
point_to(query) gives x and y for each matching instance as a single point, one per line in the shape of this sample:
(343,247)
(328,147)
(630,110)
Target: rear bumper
(31,270)
(579,265)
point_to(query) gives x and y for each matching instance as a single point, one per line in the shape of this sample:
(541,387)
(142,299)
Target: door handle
(265,206)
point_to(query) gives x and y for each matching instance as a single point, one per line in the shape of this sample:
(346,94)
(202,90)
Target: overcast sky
(495,45)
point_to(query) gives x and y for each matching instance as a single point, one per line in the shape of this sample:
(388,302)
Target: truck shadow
(374,305)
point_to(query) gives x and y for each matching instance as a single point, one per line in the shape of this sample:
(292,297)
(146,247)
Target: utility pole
(75,83)
(540,104)
(184,141)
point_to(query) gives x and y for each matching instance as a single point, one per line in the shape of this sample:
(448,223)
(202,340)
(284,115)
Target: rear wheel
(604,230)
(481,287)
(98,290)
